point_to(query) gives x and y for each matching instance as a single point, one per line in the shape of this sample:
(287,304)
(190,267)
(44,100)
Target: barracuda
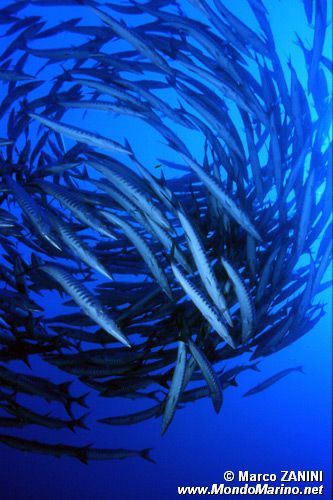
(205,270)
(133,192)
(35,213)
(210,376)
(79,135)
(73,202)
(227,203)
(86,301)
(202,303)
(244,299)
(176,387)
(79,248)
(143,250)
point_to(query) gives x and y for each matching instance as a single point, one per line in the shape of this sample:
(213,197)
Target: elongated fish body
(155,101)
(169,245)
(229,91)
(124,386)
(251,256)
(35,213)
(206,272)
(203,391)
(227,203)
(83,453)
(265,275)
(191,366)
(138,305)
(204,306)
(307,206)
(13,76)
(134,39)
(176,387)
(73,202)
(36,446)
(5,142)
(80,135)
(62,53)
(123,201)
(164,194)
(318,42)
(272,380)
(198,104)
(210,376)
(116,454)
(78,248)
(112,357)
(199,32)
(143,250)
(326,258)
(133,418)
(82,370)
(244,299)
(110,90)
(86,301)
(57,168)
(11,422)
(253,158)
(243,31)
(101,106)
(133,193)
(32,417)
(39,387)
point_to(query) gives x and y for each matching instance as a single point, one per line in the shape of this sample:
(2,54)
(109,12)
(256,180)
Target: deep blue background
(286,427)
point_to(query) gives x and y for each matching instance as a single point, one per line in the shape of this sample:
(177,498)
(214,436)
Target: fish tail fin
(146,455)
(129,147)
(172,81)
(300,369)
(26,361)
(68,408)
(82,456)
(81,400)
(64,387)
(80,422)
(162,179)
(85,173)
(71,425)
(233,382)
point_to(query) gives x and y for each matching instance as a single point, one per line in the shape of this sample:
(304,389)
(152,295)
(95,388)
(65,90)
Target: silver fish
(204,306)
(176,387)
(143,250)
(79,134)
(244,299)
(35,213)
(210,376)
(86,300)
(206,272)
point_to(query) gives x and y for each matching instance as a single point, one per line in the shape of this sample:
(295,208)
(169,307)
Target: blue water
(287,427)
